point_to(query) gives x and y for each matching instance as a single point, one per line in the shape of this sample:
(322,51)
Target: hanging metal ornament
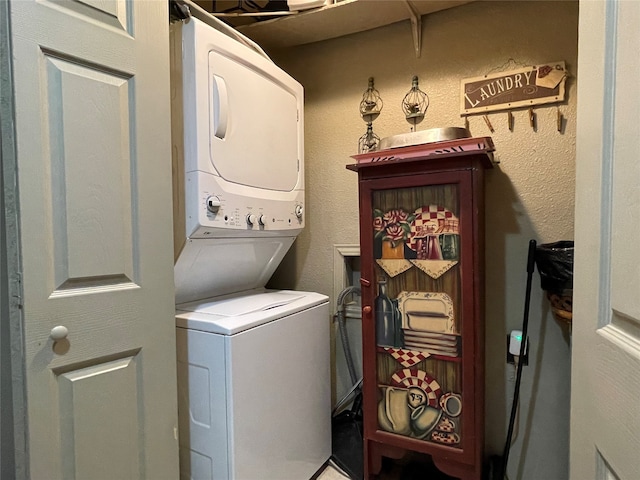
(369,141)
(371,104)
(415,104)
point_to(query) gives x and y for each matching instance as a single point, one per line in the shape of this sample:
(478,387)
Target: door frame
(13,423)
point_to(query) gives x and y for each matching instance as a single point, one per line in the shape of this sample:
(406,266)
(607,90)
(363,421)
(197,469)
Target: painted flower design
(395,233)
(393,225)
(395,217)
(378,224)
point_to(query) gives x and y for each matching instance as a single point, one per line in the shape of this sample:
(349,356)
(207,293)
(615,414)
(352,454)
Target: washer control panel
(213,207)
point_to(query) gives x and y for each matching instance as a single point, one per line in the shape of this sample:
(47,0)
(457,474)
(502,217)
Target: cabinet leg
(373,453)
(372,461)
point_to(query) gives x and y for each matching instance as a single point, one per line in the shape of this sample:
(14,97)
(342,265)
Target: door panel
(91,180)
(93,143)
(87,406)
(115,9)
(605,413)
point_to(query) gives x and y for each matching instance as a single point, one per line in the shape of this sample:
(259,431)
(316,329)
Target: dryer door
(255,129)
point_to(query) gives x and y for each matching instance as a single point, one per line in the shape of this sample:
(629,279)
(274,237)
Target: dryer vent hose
(342,327)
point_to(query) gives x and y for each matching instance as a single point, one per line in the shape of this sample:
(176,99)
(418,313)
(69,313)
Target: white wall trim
(340,280)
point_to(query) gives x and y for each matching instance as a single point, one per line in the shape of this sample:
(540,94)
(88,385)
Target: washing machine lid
(243,305)
(211,267)
(231,314)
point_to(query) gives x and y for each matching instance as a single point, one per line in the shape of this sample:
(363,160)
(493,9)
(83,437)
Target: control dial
(213,203)
(251,219)
(262,220)
(298,211)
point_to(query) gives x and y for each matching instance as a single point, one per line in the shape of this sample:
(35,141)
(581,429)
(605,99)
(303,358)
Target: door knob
(367,309)
(59,333)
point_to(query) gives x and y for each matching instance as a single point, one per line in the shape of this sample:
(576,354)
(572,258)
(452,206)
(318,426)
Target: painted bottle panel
(385,317)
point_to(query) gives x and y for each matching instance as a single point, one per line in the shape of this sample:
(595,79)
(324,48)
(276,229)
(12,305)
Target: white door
(91,81)
(605,399)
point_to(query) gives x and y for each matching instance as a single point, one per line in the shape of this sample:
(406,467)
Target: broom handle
(525,324)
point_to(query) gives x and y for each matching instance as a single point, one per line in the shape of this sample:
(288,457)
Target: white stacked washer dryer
(253,364)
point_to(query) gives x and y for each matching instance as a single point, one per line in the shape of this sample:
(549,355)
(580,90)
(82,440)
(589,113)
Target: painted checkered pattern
(412,377)
(406,358)
(432,219)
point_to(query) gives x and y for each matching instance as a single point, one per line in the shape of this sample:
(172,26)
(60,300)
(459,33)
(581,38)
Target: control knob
(261,220)
(298,211)
(251,219)
(213,203)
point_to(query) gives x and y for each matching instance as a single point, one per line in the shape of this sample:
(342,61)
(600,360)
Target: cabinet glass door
(417,243)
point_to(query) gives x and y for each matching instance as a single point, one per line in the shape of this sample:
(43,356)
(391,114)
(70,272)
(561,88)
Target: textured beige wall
(530,194)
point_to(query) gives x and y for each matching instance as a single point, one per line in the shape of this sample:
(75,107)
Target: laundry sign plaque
(524,87)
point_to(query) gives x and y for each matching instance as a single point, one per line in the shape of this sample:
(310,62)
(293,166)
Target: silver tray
(423,136)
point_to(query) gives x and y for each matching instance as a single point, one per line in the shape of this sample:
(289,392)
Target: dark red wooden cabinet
(422,248)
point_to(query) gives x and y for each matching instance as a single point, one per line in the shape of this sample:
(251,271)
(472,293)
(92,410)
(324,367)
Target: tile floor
(406,469)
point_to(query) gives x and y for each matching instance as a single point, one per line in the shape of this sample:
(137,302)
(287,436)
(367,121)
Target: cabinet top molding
(482,146)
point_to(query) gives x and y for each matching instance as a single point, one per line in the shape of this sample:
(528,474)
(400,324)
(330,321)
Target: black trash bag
(555,265)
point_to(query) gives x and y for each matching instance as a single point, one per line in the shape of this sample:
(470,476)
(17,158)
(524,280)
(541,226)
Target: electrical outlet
(510,358)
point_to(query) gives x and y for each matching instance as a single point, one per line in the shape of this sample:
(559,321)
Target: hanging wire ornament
(371,104)
(370,108)
(369,141)
(415,104)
